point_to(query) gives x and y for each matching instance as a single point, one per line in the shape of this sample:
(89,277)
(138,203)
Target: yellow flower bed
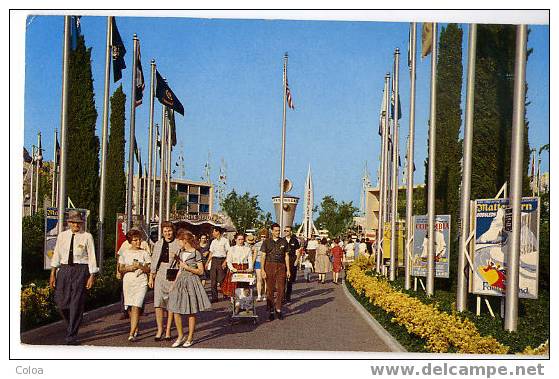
(440,329)
(36,302)
(543,349)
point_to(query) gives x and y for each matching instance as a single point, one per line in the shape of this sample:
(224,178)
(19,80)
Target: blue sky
(228,75)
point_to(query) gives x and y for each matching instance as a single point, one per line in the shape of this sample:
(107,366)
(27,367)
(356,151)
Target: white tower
(307,228)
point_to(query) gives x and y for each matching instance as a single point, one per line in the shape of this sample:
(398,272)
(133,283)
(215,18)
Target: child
(308,268)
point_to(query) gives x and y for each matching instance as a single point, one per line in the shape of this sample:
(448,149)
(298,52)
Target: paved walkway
(319,317)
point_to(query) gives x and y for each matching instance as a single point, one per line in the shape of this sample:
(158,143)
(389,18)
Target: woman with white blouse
(239,259)
(133,265)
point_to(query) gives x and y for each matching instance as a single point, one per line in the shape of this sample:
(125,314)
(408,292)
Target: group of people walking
(177,269)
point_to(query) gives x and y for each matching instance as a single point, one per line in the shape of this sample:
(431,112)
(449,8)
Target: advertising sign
(492,243)
(51,231)
(421,243)
(399,242)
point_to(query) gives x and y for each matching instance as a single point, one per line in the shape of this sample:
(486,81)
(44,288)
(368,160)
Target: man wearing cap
(73,271)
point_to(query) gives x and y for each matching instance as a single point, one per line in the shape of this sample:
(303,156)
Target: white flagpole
(150,144)
(465,192)
(129,198)
(154,174)
(39,161)
(431,175)
(395,171)
(410,160)
(162,167)
(168,163)
(54,168)
(283,142)
(516,173)
(64,125)
(32,181)
(104,133)
(382,182)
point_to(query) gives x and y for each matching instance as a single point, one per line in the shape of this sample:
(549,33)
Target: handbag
(172,272)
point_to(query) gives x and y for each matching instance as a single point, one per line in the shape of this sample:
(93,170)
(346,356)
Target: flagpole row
(410,158)
(64,125)
(431,174)
(465,191)
(382,179)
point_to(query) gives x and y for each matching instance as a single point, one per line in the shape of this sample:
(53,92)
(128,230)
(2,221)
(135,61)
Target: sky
(228,76)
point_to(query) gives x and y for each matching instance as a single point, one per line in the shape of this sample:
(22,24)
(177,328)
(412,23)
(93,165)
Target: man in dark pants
(275,269)
(73,271)
(293,247)
(216,260)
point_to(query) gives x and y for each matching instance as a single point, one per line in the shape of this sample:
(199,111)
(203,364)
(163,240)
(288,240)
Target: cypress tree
(115,179)
(493,108)
(82,177)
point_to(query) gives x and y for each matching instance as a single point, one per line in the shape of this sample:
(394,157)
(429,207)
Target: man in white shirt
(349,251)
(216,260)
(73,271)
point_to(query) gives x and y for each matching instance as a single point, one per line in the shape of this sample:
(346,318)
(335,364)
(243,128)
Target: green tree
(336,217)
(32,243)
(244,211)
(82,170)
(493,111)
(115,180)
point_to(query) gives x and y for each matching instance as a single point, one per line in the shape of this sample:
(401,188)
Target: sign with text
(493,227)
(421,243)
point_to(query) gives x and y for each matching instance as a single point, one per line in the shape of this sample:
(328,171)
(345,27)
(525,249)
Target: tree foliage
(115,180)
(82,167)
(244,211)
(336,217)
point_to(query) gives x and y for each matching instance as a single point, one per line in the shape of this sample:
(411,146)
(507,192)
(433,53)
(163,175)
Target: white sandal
(188,343)
(178,342)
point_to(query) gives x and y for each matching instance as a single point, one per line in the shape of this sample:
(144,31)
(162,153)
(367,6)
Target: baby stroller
(243,302)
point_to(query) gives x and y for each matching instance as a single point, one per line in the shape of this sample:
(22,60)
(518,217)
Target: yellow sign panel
(399,241)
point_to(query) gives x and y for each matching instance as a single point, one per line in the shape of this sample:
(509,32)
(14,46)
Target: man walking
(276,268)
(73,269)
(216,260)
(294,254)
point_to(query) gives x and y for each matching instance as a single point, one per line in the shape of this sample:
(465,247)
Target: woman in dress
(337,256)
(239,258)
(322,261)
(187,295)
(133,265)
(256,256)
(164,253)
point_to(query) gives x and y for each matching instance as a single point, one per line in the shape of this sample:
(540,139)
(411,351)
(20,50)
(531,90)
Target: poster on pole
(51,231)
(492,244)
(421,242)
(400,231)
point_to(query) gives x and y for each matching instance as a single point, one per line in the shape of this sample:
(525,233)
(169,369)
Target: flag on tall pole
(166,96)
(381,113)
(75,31)
(26,157)
(288,94)
(173,130)
(140,83)
(132,137)
(118,51)
(426,39)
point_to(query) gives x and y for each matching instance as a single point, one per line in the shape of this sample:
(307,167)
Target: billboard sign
(421,243)
(493,225)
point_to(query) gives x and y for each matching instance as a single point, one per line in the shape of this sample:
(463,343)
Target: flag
(392,106)
(382,109)
(532,171)
(409,47)
(172,127)
(140,84)
(26,157)
(288,95)
(158,139)
(118,51)
(136,152)
(57,152)
(426,39)
(40,153)
(75,30)
(166,96)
